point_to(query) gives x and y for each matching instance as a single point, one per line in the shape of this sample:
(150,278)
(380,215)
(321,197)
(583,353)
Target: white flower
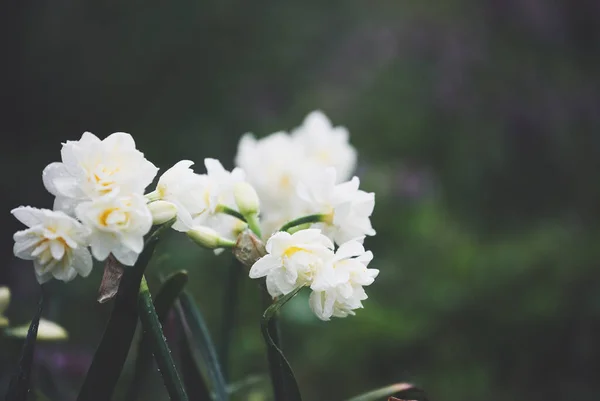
(325,145)
(56,243)
(274,165)
(4,301)
(338,287)
(184,188)
(118,226)
(93,168)
(347,209)
(292,260)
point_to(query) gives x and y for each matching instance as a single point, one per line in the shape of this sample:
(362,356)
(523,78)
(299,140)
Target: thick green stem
(162,353)
(311,218)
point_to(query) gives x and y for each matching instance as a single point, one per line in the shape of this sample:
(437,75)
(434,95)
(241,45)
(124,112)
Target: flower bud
(4,300)
(47,330)
(209,238)
(246,198)
(162,211)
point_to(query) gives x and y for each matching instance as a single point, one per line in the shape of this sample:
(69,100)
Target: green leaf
(195,384)
(201,347)
(160,348)
(284,383)
(404,390)
(165,299)
(110,355)
(19,384)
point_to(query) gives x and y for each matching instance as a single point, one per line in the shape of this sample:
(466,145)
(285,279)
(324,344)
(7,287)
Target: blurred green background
(477,128)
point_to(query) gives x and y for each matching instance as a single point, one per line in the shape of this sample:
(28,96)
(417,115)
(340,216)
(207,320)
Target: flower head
(56,243)
(325,145)
(292,260)
(92,168)
(118,226)
(347,209)
(274,165)
(338,288)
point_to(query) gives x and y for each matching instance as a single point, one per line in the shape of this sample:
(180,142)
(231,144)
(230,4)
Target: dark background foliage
(477,127)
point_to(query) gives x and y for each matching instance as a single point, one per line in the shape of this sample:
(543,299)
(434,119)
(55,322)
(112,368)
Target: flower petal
(264,266)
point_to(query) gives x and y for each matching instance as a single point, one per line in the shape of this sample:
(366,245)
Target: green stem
(254,224)
(162,353)
(311,218)
(230,211)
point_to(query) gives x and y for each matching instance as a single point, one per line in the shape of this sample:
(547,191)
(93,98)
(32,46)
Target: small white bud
(246,198)
(162,211)
(4,301)
(209,238)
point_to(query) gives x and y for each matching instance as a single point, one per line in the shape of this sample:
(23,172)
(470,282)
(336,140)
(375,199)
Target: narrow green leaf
(397,389)
(165,299)
(110,355)
(202,348)
(284,383)
(19,384)
(195,384)
(162,353)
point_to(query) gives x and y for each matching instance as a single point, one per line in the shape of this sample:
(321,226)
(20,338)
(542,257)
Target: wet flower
(92,168)
(185,189)
(338,287)
(56,243)
(292,260)
(118,226)
(346,210)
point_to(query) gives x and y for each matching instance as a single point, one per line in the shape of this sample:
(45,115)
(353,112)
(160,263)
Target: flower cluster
(296,188)
(302,177)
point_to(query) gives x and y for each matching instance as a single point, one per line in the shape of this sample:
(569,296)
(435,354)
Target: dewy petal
(30,216)
(57,249)
(125,255)
(213,166)
(119,140)
(65,204)
(264,266)
(349,249)
(82,261)
(278,242)
(316,304)
(54,171)
(134,243)
(102,245)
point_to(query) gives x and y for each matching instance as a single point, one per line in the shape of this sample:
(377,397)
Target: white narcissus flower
(274,165)
(4,301)
(347,209)
(184,188)
(118,226)
(325,145)
(93,168)
(338,287)
(292,260)
(56,243)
